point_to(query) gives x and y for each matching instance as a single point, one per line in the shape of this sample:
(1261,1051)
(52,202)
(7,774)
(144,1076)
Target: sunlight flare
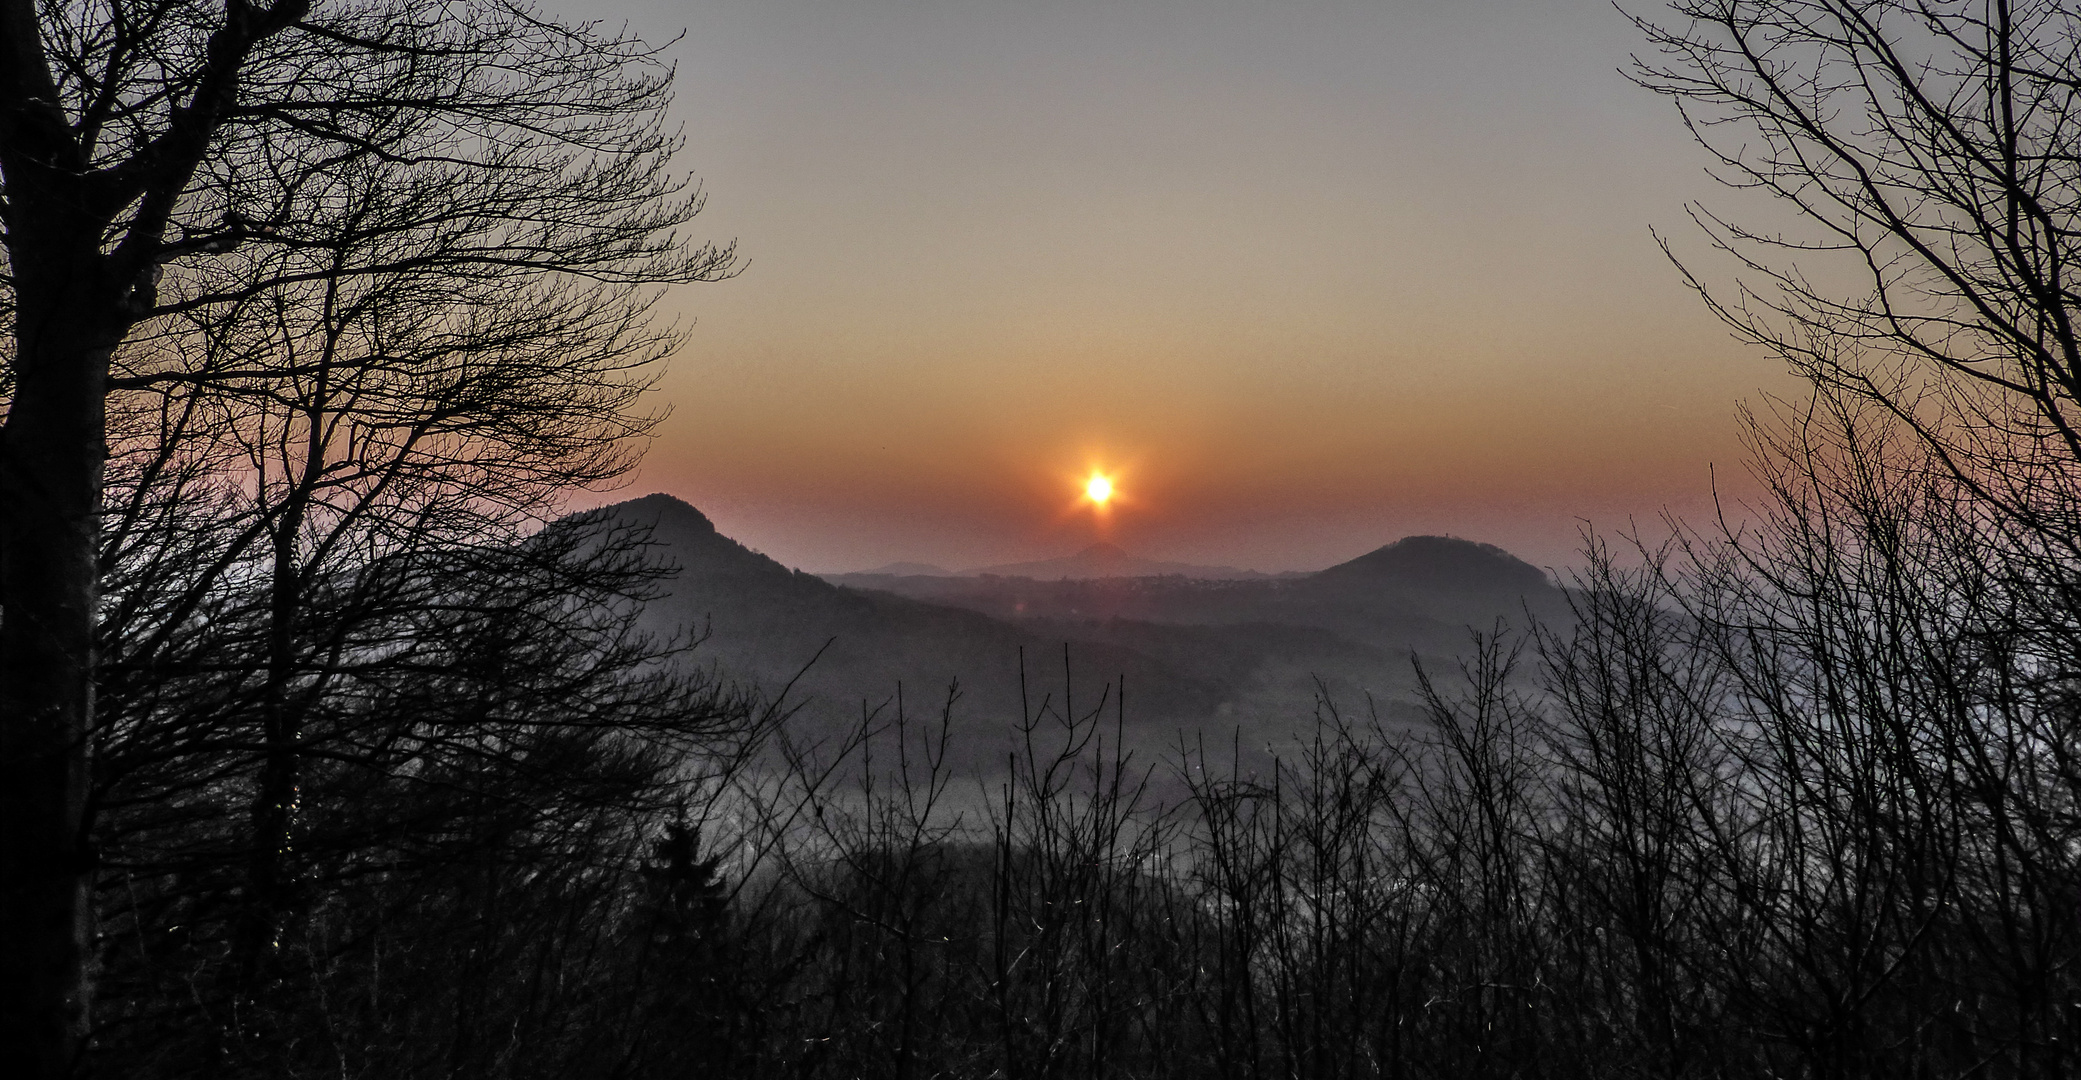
(1099,488)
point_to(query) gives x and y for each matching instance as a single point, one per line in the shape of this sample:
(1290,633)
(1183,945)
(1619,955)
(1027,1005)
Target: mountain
(764,624)
(1208,656)
(1439,564)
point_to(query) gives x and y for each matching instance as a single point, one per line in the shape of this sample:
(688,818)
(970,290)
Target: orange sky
(1312,275)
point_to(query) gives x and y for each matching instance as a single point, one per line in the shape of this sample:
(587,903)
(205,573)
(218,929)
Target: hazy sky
(1311,275)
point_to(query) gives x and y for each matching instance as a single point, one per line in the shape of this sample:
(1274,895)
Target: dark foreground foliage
(459,882)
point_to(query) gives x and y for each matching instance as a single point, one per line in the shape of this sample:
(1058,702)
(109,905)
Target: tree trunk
(270,877)
(51,456)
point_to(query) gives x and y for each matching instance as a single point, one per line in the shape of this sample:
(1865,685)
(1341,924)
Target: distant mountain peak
(1441,562)
(664,511)
(692,541)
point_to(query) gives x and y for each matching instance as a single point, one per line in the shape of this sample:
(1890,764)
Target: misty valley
(1235,661)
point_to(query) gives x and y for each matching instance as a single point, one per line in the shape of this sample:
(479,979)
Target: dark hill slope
(766,622)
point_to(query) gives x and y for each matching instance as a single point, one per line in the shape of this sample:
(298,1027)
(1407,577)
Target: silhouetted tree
(1900,626)
(170,161)
(488,757)
(1925,156)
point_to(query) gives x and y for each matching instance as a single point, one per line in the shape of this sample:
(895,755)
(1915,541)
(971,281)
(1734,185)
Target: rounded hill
(1440,564)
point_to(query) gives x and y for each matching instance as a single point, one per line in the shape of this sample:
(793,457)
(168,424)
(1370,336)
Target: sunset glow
(984,276)
(1098,489)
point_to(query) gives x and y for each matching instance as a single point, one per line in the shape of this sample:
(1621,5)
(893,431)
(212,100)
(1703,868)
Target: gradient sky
(1311,275)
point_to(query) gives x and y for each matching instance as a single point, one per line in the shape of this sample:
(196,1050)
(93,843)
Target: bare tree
(1929,157)
(1900,625)
(170,159)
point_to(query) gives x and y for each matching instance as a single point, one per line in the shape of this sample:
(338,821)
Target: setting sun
(1098,489)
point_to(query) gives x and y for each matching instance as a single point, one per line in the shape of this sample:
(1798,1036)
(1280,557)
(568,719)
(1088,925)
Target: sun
(1099,488)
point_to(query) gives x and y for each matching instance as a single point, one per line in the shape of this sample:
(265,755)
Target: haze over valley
(1207,653)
